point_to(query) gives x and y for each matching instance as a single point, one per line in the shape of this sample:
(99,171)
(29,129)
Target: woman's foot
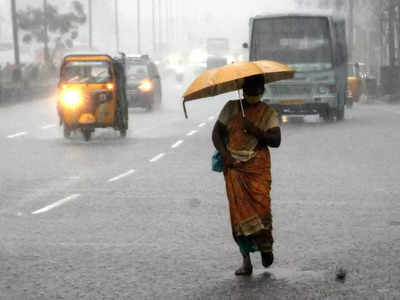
(267,259)
(244,271)
(247,268)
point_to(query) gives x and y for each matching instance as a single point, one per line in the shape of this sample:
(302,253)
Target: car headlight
(146,86)
(71,98)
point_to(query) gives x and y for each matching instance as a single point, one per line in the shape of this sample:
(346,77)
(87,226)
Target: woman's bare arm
(270,138)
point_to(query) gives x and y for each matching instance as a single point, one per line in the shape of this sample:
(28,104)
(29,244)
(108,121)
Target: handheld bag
(217,162)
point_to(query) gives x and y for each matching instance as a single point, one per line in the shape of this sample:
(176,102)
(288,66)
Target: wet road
(145,218)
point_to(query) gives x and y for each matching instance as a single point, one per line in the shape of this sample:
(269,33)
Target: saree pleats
(248,187)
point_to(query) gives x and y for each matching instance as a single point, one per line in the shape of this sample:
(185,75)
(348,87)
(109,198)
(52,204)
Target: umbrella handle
(184,109)
(241,103)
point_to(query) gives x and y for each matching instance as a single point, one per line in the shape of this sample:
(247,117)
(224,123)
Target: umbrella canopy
(231,77)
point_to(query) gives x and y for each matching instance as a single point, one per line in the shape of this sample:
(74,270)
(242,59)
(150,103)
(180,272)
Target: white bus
(313,44)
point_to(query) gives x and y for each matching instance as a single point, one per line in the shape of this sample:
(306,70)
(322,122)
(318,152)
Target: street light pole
(351,29)
(15,32)
(139,48)
(116,24)
(46,37)
(90,24)
(153,3)
(167,24)
(160,25)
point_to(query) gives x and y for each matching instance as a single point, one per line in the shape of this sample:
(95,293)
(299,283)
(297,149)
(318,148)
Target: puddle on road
(292,275)
(394,223)
(194,202)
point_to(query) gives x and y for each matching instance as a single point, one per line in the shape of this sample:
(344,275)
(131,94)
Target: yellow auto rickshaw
(354,83)
(91,94)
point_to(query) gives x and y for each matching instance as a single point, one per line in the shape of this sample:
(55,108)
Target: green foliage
(62,28)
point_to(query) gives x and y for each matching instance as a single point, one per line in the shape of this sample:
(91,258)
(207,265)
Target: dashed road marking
(211,118)
(177,144)
(202,125)
(48,126)
(56,204)
(11,136)
(157,157)
(130,172)
(193,132)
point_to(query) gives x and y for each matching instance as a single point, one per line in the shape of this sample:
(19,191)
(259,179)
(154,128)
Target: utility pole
(46,36)
(90,24)
(116,24)
(15,33)
(392,16)
(139,46)
(160,26)
(153,4)
(351,29)
(172,20)
(392,55)
(167,20)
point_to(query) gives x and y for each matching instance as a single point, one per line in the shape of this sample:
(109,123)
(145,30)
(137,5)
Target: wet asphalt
(145,218)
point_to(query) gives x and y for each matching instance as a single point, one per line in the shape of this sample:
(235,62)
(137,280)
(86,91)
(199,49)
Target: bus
(315,46)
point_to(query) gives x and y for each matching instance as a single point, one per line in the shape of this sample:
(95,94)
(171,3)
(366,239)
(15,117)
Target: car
(143,82)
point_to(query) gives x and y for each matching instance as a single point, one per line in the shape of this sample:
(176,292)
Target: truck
(315,46)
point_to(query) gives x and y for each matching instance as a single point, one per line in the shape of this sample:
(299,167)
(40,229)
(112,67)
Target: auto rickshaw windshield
(86,72)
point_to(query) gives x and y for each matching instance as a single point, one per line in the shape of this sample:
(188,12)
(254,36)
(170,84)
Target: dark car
(143,86)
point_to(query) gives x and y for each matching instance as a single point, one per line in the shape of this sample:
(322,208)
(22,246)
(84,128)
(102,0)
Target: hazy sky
(191,22)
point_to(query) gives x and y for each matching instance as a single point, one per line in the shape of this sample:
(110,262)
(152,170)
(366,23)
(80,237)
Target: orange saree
(248,184)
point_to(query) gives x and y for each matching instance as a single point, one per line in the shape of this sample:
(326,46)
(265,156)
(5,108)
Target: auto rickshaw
(91,94)
(354,83)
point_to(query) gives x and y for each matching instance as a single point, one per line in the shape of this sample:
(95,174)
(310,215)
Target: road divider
(56,204)
(11,136)
(157,157)
(130,172)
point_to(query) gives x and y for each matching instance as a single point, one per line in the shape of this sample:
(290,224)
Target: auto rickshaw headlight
(71,98)
(146,86)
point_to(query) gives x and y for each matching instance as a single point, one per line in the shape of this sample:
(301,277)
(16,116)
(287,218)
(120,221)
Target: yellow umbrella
(231,77)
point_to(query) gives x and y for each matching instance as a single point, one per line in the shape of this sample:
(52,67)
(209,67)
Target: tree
(49,25)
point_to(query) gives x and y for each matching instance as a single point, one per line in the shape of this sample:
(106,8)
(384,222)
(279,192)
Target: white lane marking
(48,126)
(157,157)
(130,172)
(191,133)
(177,144)
(202,125)
(56,204)
(211,118)
(11,136)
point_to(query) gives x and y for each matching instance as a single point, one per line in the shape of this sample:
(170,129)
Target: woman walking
(243,143)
